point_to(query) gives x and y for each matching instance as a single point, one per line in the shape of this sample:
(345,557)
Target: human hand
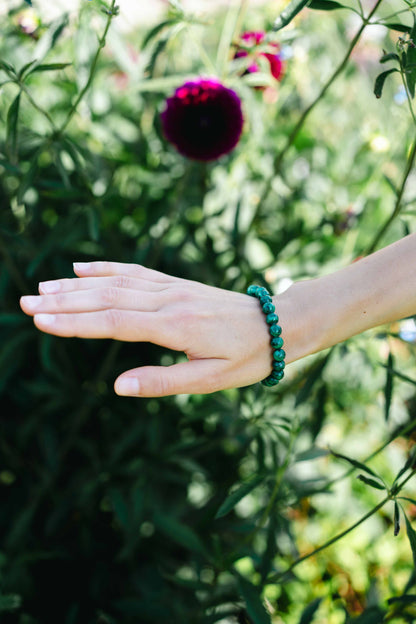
(222,333)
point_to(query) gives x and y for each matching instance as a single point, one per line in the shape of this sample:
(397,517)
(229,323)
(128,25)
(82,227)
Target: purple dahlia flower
(203,119)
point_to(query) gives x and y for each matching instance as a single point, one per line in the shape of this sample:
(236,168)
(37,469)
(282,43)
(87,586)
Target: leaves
(380,80)
(254,604)
(12,119)
(354,463)
(309,611)
(396,520)
(326,5)
(371,482)
(238,494)
(388,389)
(411,534)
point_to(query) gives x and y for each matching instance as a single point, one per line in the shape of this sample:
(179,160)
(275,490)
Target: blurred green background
(190,509)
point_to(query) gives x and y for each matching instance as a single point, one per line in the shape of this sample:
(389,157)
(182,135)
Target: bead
(279,355)
(278,366)
(268,308)
(275,330)
(277,342)
(265,300)
(271,319)
(278,375)
(252,290)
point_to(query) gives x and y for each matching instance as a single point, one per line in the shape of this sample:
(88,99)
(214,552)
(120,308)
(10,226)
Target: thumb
(191,377)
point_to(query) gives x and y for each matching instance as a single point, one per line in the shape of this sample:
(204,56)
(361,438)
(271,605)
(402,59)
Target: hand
(222,333)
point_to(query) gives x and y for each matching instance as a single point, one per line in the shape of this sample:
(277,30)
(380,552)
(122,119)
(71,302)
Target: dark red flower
(248,47)
(203,119)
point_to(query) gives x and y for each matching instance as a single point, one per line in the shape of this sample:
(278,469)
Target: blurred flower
(248,46)
(203,119)
(28,22)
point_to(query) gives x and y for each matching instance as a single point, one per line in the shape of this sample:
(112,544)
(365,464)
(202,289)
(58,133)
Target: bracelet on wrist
(275,330)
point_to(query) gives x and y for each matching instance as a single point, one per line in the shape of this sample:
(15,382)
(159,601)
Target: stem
(292,136)
(276,577)
(101,42)
(24,88)
(325,88)
(398,203)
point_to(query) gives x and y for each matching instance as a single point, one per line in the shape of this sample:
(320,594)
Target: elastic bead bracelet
(276,341)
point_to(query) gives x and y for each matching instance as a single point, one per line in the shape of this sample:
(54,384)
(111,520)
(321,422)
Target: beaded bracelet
(275,330)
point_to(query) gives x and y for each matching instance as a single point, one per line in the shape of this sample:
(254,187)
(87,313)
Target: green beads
(276,341)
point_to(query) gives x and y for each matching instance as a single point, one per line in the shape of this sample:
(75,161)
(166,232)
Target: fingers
(127,325)
(93,300)
(89,283)
(102,269)
(192,377)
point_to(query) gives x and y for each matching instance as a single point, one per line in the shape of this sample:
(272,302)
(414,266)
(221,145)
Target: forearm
(378,289)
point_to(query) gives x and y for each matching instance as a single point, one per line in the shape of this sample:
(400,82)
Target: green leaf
(402,376)
(355,463)
(391,184)
(326,5)
(412,537)
(405,599)
(391,56)
(153,32)
(49,67)
(410,500)
(179,533)
(12,119)
(254,603)
(371,482)
(9,69)
(380,80)
(399,27)
(289,13)
(238,494)
(396,518)
(410,66)
(309,611)
(312,453)
(310,381)
(388,389)
(29,2)
(372,615)
(410,463)
(49,39)
(10,602)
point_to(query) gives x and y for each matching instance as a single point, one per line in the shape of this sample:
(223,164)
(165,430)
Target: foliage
(226,507)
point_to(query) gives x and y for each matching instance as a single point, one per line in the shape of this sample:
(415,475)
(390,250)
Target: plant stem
(295,131)
(276,577)
(24,88)
(324,89)
(101,44)
(398,203)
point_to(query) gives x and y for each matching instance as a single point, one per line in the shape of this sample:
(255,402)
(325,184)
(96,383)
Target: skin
(222,333)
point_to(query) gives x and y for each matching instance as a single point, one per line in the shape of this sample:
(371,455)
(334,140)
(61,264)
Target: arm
(223,333)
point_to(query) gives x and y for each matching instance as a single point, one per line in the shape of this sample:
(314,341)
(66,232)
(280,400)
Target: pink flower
(248,47)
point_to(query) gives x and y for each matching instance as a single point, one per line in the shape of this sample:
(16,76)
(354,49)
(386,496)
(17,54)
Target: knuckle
(109,296)
(113,319)
(122,281)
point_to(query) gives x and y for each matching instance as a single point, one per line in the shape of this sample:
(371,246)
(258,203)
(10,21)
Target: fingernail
(30,302)
(82,266)
(48,288)
(127,386)
(45,319)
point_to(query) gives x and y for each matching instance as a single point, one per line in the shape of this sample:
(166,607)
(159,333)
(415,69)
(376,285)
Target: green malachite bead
(265,301)
(278,375)
(278,366)
(275,330)
(252,290)
(277,342)
(271,319)
(276,333)
(279,355)
(268,308)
